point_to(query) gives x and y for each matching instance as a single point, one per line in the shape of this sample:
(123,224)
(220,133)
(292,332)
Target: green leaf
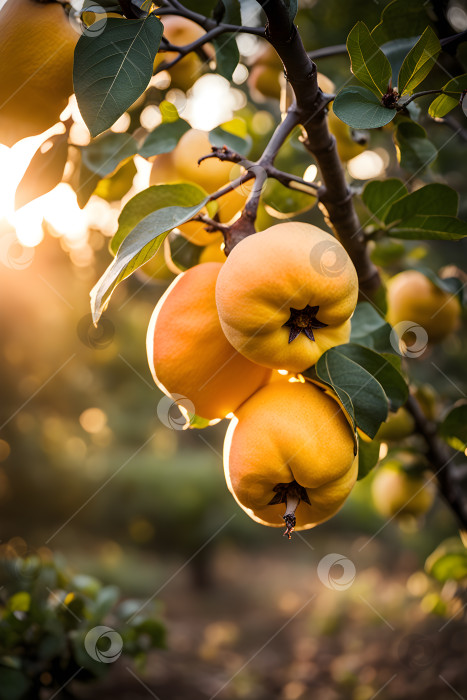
(45,170)
(282,202)
(443,104)
(401,18)
(19,602)
(14,683)
(116,186)
(139,246)
(227,53)
(434,198)
(414,151)
(368,456)
(164,138)
(106,152)
(183,253)
(368,62)
(428,213)
(150,200)
(426,228)
(113,68)
(369,328)
(418,62)
(453,429)
(169,112)
(366,400)
(292,6)
(221,137)
(378,195)
(105,600)
(396,51)
(387,252)
(361,109)
(386,369)
(448,562)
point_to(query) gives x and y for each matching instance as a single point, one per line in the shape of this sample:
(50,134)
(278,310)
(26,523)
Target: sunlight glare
(365,166)
(211,101)
(310,173)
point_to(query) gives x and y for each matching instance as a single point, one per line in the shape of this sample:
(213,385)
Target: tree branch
(334,194)
(440,460)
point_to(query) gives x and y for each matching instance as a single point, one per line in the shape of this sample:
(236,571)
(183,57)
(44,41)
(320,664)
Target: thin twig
(439,457)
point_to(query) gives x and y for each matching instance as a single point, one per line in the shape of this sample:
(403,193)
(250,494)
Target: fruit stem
(291,502)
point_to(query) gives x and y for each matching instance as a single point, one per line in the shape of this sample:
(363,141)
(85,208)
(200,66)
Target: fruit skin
(265,75)
(397,493)
(288,431)
(398,426)
(181,165)
(36,67)
(212,253)
(413,297)
(289,265)
(188,353)
(211,174)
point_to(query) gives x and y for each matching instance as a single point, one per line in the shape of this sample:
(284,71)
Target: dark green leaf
(292,6)
(418,62)
(453,429)
(164,138)
(369,328)
(386,371)
(415,151)
(366,395)
(434,198)
(14,684)
(425,228)
(106,152)
(378,195)
(361,109)
(106,599)
(150,200)
(396,50)
(113,68)
(443,104)
(221,137)
(368,63)
(45,170)
(401,18)
(227,53)
(183,253)
(368,456)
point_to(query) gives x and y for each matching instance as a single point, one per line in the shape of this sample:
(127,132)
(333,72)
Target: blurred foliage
(51,625)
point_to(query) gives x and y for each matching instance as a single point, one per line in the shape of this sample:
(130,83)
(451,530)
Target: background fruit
(212,253)
(285,432)
(265,74)
(211,173)
(413,297)
(287,266)
(398,426)
(36,67)
(180,31)
(396,492)
(188,353)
